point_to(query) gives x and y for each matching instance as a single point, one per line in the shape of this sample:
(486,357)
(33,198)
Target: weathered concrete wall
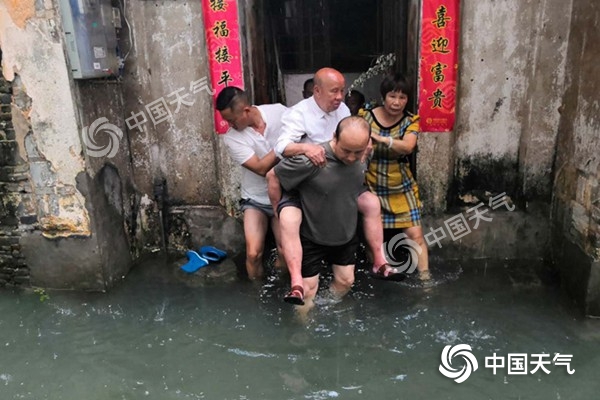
(107,183)
(435,161)
(502,235)
(34,51)
(576,202)
(107,208)
(85,218)
(168,54)
(47,136)
(511,74)
(549,32)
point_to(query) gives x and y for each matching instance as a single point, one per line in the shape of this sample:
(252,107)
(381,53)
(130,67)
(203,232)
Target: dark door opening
(301,36)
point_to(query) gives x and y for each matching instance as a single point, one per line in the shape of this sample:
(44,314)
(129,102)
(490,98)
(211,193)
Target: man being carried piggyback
(304,126)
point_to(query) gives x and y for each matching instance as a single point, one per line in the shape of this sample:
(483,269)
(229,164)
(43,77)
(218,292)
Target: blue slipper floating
(211,253)
(195,262)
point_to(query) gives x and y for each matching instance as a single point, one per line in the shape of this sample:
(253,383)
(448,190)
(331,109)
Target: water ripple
(251,354)
(322,395)
(6,378)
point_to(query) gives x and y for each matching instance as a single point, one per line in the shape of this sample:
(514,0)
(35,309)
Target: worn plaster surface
(33,52)
(167,55)
(512,58)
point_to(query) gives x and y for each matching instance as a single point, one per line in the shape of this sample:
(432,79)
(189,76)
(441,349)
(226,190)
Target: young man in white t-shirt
(252,135)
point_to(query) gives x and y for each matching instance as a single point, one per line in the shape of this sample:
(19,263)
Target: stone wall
(576,190)
(168,58)
(68,232)
(16,205)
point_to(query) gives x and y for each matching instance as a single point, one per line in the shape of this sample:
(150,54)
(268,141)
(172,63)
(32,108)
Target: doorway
(294,38)
(297,37)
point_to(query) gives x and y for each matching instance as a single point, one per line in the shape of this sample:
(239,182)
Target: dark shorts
(264,208)
(314,254)
(288,199)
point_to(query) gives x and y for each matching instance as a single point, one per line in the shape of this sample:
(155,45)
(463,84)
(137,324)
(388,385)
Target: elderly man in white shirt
(306,124)
(253,132)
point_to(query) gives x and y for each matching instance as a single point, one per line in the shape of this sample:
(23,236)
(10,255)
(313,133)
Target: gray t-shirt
(328,196)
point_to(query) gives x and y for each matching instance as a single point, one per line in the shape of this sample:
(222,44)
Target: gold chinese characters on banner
(439,65)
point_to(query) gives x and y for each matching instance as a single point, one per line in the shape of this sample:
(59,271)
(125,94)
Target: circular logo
(89,138)
(458,374)
(398,246)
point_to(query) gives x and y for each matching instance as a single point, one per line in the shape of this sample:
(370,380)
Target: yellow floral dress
(389,177)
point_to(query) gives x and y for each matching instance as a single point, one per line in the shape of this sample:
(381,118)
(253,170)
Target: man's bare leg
(370,209)
(255,230)
(280,262)
(343,279)
(290,219)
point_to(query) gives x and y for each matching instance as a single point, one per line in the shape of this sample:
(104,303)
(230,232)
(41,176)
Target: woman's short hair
(394,82)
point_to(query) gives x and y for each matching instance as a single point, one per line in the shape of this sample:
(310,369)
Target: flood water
(155,336)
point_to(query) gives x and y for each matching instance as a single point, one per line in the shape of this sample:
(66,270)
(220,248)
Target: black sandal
(392,276)
(295,296)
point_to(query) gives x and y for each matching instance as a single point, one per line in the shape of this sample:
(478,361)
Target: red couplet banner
(439,65)
(222,33)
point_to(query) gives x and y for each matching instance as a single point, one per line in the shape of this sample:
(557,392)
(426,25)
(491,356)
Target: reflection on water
(158,337)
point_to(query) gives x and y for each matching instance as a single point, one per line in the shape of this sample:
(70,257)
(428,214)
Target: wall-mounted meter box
(91,38)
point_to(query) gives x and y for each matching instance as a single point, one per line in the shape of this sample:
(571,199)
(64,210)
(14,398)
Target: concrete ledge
(65,263)
(510,235)
(190,227)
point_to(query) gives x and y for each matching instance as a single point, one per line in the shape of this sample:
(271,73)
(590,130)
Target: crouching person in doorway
(328,196)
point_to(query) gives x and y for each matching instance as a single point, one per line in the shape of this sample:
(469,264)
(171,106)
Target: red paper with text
(221,28)
(439,65)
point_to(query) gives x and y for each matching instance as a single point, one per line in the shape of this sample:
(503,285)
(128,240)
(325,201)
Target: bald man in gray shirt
(329,199)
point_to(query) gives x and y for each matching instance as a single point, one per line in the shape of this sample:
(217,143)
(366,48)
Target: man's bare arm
(261,166)
(314,152)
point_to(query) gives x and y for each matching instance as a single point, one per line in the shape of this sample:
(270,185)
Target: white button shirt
(307,123)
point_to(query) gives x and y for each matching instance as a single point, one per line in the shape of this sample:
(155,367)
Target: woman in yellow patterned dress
(394,131)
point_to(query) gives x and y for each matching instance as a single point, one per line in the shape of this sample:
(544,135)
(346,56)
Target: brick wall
(15,194)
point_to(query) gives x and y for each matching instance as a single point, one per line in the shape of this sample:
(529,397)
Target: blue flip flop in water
(196,261)
(211,253)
